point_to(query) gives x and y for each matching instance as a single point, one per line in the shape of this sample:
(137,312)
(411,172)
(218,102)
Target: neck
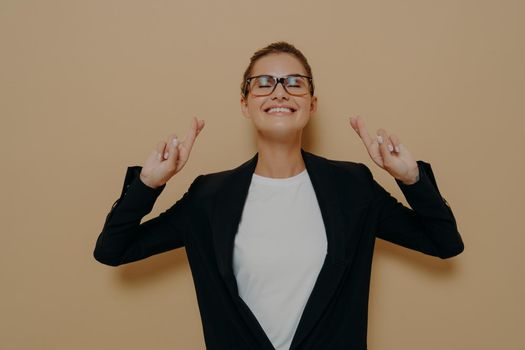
(279,160)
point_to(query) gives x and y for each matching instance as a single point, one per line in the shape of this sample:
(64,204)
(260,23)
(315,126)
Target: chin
(279,133)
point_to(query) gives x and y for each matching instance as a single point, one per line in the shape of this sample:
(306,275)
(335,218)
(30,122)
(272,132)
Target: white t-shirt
(279,249)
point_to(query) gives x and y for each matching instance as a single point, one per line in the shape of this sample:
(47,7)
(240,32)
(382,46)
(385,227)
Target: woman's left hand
(388,152)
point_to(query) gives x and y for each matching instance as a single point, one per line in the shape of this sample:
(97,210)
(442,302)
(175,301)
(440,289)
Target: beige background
(89,87)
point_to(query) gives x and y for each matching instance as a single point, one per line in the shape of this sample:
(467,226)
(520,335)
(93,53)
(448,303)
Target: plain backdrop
(88,88)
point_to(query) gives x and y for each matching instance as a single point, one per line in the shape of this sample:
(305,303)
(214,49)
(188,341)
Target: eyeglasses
(264,85)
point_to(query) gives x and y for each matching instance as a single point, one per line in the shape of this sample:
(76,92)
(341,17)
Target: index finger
(363,132)
(191,134)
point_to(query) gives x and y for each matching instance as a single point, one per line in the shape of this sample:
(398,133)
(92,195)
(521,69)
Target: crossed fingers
(391,142)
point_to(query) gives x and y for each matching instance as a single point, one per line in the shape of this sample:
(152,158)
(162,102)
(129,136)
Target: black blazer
(355,210)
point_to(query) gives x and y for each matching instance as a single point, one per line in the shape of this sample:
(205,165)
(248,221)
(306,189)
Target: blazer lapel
(342,235)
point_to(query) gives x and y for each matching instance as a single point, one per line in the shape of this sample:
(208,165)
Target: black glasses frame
(279,80)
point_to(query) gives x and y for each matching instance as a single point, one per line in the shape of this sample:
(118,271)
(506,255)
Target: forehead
(278,64)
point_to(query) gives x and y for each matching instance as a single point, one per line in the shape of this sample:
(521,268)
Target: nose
(279,92)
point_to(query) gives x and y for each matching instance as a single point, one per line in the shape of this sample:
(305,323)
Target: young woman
(280,247)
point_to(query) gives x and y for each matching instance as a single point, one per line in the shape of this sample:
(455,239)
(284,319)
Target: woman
(280,248)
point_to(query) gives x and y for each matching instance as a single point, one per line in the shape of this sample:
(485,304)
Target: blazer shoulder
(208,184)
(346,167)
(350,174)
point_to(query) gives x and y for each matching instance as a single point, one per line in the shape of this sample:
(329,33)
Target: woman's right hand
(169,157)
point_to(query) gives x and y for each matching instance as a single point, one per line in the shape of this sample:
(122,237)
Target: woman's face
(279,124)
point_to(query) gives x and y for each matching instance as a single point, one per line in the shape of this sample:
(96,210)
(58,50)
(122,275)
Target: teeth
(279,109)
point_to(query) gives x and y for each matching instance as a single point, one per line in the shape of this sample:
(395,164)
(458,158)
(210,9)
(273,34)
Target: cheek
(305,105)
(255,105)
(252,110)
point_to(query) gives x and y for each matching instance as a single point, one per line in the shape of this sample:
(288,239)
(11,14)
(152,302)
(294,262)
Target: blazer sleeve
(429,227)
(124,239)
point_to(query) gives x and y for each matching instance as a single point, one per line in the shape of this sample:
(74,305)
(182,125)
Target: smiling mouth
(280,110)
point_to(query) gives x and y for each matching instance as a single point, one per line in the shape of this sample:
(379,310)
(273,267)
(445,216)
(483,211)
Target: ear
(244,107)
(313,105)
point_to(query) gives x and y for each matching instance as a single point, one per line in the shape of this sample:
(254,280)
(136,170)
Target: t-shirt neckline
(274,181)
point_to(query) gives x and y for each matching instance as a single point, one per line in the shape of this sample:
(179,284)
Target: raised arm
(123,238)
(429,226)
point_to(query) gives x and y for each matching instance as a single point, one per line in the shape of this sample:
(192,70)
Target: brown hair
(273,48)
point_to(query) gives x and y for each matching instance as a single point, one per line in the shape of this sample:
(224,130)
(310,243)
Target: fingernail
(390,148)
(379,139)
(166,155)
(397,148)
(175,142)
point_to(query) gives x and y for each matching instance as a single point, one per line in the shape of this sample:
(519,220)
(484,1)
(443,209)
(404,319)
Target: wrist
(411,179)
(147,183)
